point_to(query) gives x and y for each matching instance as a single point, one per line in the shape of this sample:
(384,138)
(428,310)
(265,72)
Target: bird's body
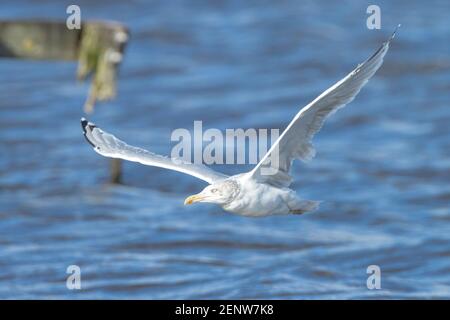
(264,190)
(255,199)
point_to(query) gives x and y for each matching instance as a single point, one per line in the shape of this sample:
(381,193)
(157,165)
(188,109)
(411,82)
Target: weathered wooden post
(98,46)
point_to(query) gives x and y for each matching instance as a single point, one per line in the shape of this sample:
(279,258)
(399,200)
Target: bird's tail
(305,206)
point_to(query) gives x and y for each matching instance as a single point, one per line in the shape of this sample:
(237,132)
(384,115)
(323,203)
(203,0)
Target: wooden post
(98,47)
(116,170)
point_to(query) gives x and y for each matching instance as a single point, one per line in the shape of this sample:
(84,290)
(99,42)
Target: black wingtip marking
(89,141)
(386,43)
(84,124)
(395,31)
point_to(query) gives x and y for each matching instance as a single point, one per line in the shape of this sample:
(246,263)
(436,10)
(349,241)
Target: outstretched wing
(109,146)
(295,141)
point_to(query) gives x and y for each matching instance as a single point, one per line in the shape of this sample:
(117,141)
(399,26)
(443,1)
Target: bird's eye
(214,190)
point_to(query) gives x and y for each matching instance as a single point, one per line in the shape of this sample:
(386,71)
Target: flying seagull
(264,190)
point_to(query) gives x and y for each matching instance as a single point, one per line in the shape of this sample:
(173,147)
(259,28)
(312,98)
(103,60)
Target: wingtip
(395,32)
(85,125)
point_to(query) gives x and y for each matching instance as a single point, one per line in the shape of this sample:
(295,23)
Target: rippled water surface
(382,166)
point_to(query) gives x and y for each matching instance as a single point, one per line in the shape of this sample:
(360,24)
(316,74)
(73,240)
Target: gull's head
(220,193)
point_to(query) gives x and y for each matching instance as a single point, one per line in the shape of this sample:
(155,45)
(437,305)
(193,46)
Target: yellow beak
(194,198)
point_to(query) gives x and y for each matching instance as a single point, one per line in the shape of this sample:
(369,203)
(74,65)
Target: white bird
(258,192)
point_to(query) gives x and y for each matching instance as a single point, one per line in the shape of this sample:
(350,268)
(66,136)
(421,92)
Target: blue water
(382,167)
